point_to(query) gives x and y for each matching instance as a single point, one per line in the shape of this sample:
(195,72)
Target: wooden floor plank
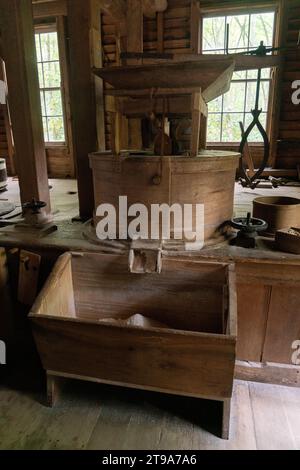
(291,403)
(99,417)
(272,428)
(29,425)
(126,421)
(242,434)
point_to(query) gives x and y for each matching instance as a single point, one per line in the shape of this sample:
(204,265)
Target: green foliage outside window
(50,86)
(245,33)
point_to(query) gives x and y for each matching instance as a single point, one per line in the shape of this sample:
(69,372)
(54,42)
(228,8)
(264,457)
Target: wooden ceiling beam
(49,8)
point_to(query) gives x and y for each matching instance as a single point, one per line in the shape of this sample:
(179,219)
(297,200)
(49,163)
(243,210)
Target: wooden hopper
(212,77)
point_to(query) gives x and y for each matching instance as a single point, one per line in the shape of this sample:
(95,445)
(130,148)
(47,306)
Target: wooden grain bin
(77,335)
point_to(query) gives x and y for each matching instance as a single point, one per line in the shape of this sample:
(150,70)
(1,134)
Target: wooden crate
(194,355)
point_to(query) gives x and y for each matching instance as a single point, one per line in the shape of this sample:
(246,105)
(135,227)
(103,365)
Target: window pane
(255,135)
(239,75)
(45,129)
(262,28)
(52,74)
(53,103)
(263,97)
(41,76)
(238,31)
(56,129)
(49,46)
(43,104)
(214,33)
(265,74)
(215,106)
(214,128)
(231,129)
(234,99)
(245,33)
(38,49)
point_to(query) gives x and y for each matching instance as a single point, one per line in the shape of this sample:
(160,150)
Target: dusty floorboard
(92,416)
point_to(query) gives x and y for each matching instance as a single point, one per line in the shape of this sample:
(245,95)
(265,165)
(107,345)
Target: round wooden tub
(207,179)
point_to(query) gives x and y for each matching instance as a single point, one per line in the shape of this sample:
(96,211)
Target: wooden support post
(19,53)
(203,132)
(226,418)
(54,388)
(7,123)
(199,123)
(135,43)
(196,28)
(196,122)
(86,91)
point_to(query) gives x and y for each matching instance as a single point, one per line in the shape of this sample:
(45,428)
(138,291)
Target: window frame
(52,27)
(230,10)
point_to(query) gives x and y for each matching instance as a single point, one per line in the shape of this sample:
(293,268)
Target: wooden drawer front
(168,361)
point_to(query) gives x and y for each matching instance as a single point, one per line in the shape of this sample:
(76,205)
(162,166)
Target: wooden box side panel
(186,295)
(57,296)
(181,363)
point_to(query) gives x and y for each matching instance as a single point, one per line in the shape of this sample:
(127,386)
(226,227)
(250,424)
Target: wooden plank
(200,74)
(291,398)
(197,102)
(139,107)
(96,61)
(68,156)
(197,366)
(196,27)
(6,317)
(253,307)
(271,426)
(25,106)
(242,423)
(58,294)
(30,425)
(83,110)
(44,9)
(28,277)
(268,373)
(283,325)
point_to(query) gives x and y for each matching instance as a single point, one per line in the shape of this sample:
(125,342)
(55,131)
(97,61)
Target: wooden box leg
(226,418)
(54,385)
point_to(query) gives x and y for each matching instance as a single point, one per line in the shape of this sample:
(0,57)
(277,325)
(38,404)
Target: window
(242,32)
(50,86)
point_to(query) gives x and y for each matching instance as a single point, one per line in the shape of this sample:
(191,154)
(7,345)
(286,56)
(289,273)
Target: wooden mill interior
(133,336)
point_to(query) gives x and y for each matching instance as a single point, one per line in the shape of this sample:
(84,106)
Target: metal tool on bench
(248,230)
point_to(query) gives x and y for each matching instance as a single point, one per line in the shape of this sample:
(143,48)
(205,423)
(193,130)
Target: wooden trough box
(186,348)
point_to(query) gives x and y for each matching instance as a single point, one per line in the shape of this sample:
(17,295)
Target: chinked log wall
(177,39)
(288,151)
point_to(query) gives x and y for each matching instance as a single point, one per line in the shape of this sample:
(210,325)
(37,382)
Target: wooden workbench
(268,289)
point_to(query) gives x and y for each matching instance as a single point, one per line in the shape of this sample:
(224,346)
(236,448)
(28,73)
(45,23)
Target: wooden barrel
(208,179)
(3,175)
